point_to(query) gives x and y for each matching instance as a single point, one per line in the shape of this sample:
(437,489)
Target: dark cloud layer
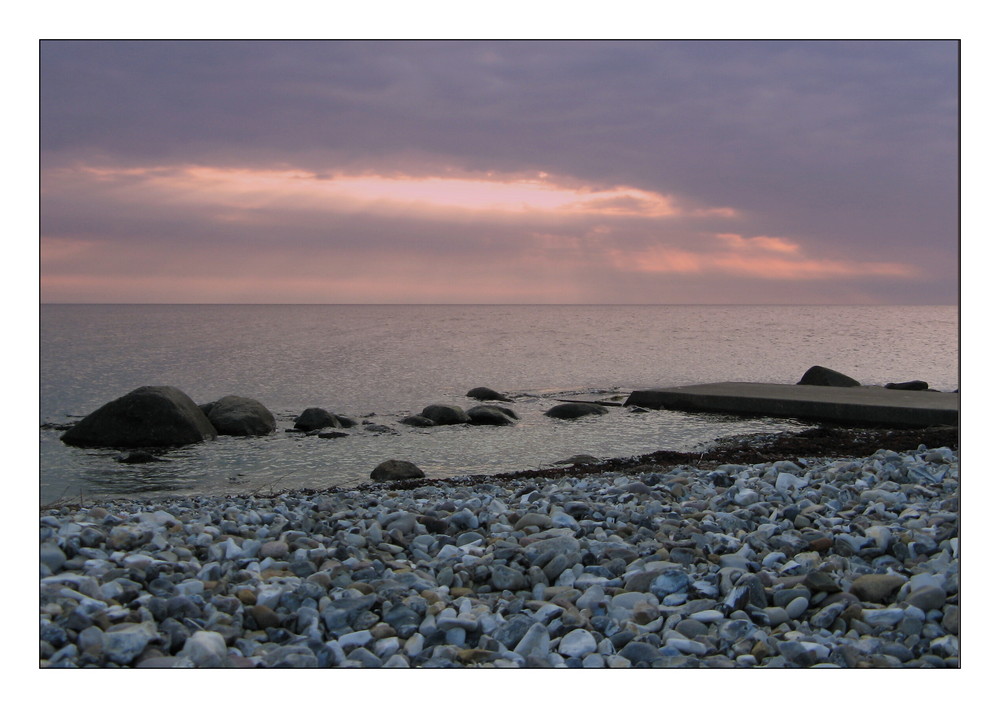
(847,148)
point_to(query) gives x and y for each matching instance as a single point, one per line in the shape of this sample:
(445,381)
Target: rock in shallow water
(149,416)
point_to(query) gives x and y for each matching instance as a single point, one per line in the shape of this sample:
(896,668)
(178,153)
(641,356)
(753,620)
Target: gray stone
(534,643)
(291,657)
(876,587)
(669,582)
(124,642)
(207,650)
(577,643)
(637,652)
(796,607)
(513,630)
(51,556)
(365,658)
(927,598)
(882,617)
(691,628)
(506,578)
(825,617)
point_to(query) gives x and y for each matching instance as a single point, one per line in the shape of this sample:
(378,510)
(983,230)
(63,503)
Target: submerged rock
(149,416)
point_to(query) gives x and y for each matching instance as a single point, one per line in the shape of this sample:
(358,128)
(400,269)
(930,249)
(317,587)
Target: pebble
(822,562)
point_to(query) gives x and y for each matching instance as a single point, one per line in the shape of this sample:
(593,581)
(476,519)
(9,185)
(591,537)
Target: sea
(380,363)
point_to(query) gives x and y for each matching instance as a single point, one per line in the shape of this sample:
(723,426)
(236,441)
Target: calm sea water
(379,363)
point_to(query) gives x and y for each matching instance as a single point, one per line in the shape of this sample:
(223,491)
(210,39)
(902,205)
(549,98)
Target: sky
(646,172)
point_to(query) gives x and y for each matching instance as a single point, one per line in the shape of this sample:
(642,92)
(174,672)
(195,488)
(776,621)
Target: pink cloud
(460,195)
(765,243)
(199,233)
(763,257)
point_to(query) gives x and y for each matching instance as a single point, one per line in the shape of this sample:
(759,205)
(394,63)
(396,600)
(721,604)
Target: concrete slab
(855,405)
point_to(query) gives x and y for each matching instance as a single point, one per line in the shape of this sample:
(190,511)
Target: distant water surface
(378,363)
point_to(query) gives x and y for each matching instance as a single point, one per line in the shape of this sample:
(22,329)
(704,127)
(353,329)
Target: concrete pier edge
(854,405)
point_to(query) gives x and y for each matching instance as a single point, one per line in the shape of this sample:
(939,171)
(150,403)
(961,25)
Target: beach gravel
(818,561)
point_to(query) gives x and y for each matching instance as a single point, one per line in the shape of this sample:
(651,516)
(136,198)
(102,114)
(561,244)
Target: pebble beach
(801,562)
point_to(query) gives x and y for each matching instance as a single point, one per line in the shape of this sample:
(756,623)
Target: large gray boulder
(482,393)
(316,419)
(150,416)
(491,415)
(568,411)
(392,470)
(822,376)
(443,414)
(236,415)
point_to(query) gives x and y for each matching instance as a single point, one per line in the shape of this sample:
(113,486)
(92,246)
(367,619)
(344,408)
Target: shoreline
(759,552)
(822,441)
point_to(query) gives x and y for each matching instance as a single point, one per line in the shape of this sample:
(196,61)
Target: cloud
(442,196)
(800,162)
(762,257)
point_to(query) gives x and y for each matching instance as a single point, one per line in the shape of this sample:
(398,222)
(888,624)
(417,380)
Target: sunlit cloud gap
(513,194)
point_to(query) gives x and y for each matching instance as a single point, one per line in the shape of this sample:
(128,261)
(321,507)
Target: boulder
(482,393)
(491,415)
(150,416)
(392,470)
(443,414)
(908,386)
(236,415)
(821,376)
(314,419)
(575,410)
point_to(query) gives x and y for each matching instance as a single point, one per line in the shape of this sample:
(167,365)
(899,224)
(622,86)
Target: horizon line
(513,304)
